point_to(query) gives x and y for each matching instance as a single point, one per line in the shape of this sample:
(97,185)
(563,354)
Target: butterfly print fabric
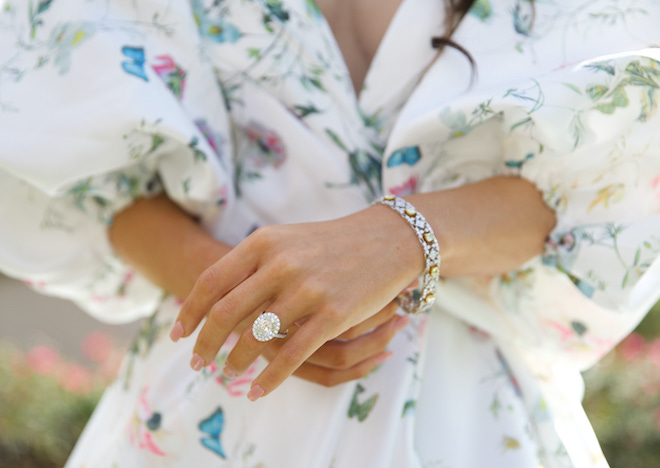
(243,113)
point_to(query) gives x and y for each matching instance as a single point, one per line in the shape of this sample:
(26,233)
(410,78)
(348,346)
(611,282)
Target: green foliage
(45,401)
(623,398)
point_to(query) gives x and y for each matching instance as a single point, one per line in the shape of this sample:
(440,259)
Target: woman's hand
(175,261)
(353,354)
(327,277)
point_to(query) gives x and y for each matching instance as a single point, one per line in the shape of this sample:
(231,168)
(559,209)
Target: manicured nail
(255,393)
(384,357)
(230,374)
(402,322)
(197,362)
(177,331)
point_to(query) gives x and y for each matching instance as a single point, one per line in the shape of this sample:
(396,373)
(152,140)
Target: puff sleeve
(101,104)
(588,137)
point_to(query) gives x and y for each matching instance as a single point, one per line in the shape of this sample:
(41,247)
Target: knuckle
(290,356)
(312,290)
(335,315)
(262,236)
(286,264)
(207,280)
(220,312)
(328,379)
(351,334)
(341,359)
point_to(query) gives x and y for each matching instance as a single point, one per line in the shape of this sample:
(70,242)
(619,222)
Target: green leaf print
(481,9)
(361,410)
(409,407)
(597,91)
(601,66)
(313,10)
(276,9)
(304,111)
(573,87)
(336,140)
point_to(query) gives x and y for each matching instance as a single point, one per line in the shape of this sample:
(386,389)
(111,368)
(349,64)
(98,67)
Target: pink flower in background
(97,346)
(43,359)
(653,352)
(76,379)
(109,368)
(632,348)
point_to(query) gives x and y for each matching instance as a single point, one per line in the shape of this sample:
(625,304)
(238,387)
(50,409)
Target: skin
(175,261)
(332,283)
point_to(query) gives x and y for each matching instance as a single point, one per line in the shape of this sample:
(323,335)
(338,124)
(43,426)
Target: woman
(247,114)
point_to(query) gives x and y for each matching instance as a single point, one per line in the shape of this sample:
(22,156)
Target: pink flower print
(221,196)
(407,188)
(576,335)
(149,444)
(213,138)
(478,333)
(655,184)
(272,149)
(240,385)
(565,332)
(146,423)
(173,75)
(632,347)
(35,284)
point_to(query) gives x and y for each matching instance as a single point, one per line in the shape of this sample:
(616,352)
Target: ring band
(266,327)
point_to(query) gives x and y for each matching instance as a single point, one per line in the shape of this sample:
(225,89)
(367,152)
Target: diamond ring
(266,327)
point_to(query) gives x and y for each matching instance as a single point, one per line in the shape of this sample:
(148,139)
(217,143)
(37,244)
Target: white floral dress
(243,112)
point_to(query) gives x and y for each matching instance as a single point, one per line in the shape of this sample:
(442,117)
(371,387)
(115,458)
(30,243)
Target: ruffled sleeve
(100,106)
(588,137)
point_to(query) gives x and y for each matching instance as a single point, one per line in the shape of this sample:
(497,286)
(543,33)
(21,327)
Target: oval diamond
(266,326)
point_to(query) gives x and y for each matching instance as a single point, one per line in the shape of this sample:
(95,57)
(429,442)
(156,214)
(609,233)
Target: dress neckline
(403,51)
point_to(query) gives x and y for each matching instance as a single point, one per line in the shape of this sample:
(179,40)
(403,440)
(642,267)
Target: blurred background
(55,362)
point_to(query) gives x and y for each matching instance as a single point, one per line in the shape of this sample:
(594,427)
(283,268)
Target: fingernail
(177,331)
(402,322)
(384,357)
(197,362)
(230,374)
(255,393)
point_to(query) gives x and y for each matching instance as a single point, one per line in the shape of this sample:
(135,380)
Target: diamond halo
(266,327)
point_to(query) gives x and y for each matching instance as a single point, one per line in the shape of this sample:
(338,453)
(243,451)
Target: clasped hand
(326,281)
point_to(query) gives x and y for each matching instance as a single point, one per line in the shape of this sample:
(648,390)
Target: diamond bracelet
(415,302)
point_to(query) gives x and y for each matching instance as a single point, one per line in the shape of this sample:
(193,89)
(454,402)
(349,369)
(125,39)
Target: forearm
(488,227)
(164,243)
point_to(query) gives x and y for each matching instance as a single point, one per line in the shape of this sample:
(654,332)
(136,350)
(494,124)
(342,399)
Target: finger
(331,377)
(338,354)
(248,348)
(227,314)
(372,322)
(291,355)
(213,284)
